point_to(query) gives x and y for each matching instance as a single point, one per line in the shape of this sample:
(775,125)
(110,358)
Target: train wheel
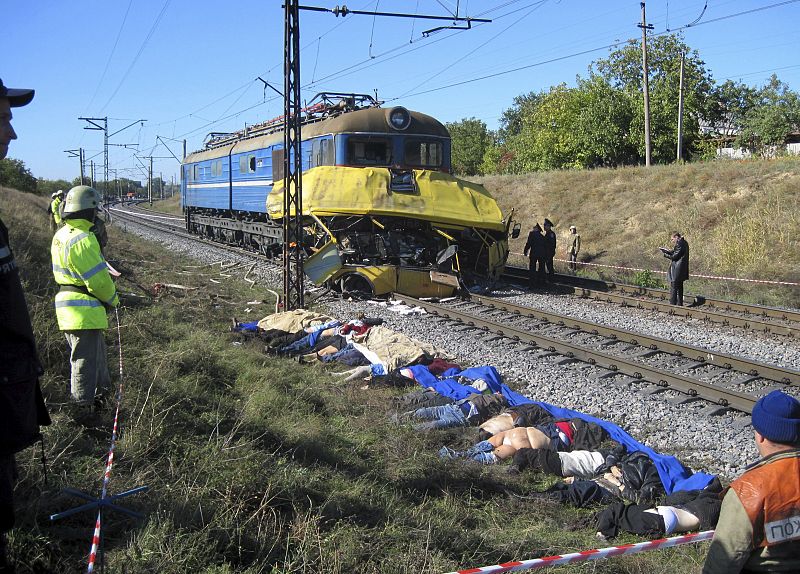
(356,286)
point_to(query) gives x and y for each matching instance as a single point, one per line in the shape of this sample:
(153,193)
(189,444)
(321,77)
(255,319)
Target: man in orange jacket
(759,524)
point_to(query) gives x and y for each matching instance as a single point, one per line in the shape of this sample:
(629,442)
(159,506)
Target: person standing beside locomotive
(759,522)
(535,247)
(678,269)
(573,247)
(22,408)
(550,247)
(86,292)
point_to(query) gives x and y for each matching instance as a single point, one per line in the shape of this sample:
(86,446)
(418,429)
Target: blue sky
(190,66)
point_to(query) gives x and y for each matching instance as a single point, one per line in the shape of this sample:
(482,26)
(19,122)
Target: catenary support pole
(293,291)
(646,87)
(680,111)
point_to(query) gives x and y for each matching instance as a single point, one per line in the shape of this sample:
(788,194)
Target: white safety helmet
(80,198)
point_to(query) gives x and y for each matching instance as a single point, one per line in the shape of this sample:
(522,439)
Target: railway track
(770,320)
(693,371)
(638,357)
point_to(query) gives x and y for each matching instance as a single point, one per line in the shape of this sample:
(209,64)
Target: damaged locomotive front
(381,210)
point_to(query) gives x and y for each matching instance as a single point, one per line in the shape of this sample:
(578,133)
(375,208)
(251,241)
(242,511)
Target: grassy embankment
(256,464)
(741,218)
(171,205)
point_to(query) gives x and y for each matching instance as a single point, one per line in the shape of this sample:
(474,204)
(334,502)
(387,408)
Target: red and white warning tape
(109,462)
(718,277)
(586,555)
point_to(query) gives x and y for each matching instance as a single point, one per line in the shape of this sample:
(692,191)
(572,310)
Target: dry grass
(258,465)
(741,218)
(171,205)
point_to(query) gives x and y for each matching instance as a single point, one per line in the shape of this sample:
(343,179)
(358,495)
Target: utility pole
(161,184)
(79,154)
(150,182)
(94,125)
(92,164)
(293,291)
(680,112)
(644,26)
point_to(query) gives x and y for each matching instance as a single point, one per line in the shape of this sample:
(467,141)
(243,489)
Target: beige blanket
(393,350)
(293,321)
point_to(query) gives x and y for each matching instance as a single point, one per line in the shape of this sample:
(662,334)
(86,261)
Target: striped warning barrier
(586,555)
(109,461)
(694,275)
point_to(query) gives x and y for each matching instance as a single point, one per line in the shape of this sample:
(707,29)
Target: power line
(589,51)
(139,53)
(110,55)
(468,54)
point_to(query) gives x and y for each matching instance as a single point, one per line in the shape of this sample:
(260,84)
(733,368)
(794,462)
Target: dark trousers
(536,272)
(676,293)
(420,399)
(549,264)
(8,476)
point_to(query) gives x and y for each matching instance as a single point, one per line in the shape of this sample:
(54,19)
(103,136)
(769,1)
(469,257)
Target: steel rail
(630,296)
(722,304)
(638,371)
(699,354)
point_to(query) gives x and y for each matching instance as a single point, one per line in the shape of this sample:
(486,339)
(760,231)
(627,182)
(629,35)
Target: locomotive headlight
(398,118)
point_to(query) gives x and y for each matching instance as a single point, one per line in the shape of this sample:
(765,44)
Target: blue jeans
(297,346)
(441,417)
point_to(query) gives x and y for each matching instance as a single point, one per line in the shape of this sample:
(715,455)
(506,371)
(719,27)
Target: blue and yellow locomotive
(382,212)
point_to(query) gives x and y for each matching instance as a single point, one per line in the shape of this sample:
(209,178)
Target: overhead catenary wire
(387,56)
(110,56)
(468,54)
(139,53)
(588,51)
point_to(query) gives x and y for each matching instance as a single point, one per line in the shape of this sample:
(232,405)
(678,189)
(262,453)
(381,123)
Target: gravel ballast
(721,444)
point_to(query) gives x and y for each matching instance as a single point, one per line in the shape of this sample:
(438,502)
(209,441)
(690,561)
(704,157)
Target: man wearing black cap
(759,524)
(22,408)
(535,246)
(550,246)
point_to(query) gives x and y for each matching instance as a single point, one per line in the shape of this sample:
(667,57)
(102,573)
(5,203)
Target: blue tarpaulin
(673,474)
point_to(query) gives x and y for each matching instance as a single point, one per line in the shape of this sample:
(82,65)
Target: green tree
(622,69)
(470,140)
(730,104)
(48,187)
(14,174)
(581,127)
(775,113)
(512,119)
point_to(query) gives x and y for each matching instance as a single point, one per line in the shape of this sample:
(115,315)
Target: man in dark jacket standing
(535,247)
(22,408)
(549,246)
(678,269)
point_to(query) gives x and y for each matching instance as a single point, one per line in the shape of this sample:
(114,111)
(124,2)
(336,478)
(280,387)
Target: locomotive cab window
(247,163)
(421,153)
(369,151)
(321,152)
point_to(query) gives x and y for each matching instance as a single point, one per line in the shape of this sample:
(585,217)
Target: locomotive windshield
(421,153)
(369,151)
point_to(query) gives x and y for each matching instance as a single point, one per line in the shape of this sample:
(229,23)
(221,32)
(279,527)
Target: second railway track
(697,372)
(772,320)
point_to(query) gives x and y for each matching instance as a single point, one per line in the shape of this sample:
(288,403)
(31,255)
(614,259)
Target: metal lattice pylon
(292,166)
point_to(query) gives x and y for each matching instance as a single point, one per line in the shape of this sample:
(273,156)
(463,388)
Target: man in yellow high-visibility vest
(86,292)
(55,209)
